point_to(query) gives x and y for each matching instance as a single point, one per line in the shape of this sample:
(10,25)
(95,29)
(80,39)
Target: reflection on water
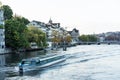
(2,60)
(2,64)
(13,59)
(2,75)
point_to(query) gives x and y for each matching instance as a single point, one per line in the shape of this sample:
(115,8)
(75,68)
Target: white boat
(36,63)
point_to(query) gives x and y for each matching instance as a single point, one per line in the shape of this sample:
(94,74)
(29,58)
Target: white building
(38,24)
(101,39)
(74,34)
(2,30)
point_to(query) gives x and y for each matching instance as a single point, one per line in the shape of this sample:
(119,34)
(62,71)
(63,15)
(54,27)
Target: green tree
(1,26)
(88,38)
(36,35)
(7,12)
(25,20)
(92,38)
(83,38)
(56,36)
(22,19)
(68,38)
(15,32)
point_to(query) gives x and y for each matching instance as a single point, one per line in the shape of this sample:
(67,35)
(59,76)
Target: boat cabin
(31,64)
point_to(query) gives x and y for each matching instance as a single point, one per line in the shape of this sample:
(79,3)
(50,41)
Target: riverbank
(33,49)
(8,51)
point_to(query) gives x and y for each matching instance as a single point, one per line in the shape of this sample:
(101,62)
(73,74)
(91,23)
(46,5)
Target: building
(53,25)
(2,30)
(74,34)
(38,24)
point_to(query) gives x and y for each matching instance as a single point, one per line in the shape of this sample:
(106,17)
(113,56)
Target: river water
(84,62)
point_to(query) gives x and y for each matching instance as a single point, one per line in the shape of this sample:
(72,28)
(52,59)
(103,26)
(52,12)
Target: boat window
(43,62)
(25,62)
(33,62)
(38,61)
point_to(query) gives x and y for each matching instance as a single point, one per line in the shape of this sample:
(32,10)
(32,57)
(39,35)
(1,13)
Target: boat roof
(43,58)
(31,59)
(52,56)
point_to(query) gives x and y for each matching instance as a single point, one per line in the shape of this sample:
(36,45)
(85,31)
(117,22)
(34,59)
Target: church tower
(50,21)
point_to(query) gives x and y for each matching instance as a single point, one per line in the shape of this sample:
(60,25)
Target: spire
(50,21)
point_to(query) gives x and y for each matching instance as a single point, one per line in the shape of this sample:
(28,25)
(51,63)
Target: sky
(88,16)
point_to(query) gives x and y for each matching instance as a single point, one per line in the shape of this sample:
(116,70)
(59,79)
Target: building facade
(74,34)
(2,30)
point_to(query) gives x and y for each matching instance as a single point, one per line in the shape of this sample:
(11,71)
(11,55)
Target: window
(1,34)
(2,46)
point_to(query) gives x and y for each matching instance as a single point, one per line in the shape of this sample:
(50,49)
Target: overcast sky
(88,16)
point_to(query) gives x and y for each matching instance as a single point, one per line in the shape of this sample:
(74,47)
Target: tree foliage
(22,19)
(68,38)
(15,32)
(92,38)
(83,38)
(36,35)
(1,26)
(88,38)
(7,12)
(55,36)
